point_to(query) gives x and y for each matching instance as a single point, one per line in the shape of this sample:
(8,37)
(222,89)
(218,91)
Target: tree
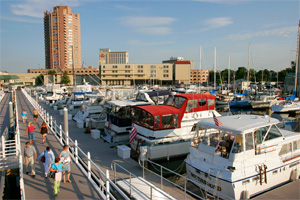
(65,79)
(241,73)
(39,80)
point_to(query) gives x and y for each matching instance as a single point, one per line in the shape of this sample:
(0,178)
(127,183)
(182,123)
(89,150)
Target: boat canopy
(239,123)
(124,103)
(157,117)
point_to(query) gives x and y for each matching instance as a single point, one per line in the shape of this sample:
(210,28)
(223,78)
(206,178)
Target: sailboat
(289,105)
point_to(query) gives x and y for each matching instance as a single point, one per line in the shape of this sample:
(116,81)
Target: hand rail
(84,162)
(186,180)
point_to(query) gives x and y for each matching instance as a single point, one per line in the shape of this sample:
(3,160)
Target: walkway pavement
(41,187)
(4,112)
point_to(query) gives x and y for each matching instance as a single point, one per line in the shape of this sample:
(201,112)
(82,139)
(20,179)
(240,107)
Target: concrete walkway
(41,187)
(4,112)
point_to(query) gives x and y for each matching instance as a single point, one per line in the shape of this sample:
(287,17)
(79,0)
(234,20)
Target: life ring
(195,115)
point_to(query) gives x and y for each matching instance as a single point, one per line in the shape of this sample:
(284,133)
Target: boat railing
(98,179)
(163,170)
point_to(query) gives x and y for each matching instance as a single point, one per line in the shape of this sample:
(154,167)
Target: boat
(240,100)
(165,131)
(92,111)
(119,115)
(286,106)
(243,157)
(264,101)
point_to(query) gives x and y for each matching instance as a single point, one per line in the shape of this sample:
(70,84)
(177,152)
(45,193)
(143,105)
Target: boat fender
(195,115)
(294,175)
(245,195)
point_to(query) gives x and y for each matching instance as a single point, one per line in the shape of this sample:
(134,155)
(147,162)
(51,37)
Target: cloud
(36,8)
(19,19)
(140,43)
(148,25)
(127,8)
(214,23)
(281,32)
(139,21)
(154,30)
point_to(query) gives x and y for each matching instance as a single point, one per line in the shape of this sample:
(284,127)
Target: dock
(103,155)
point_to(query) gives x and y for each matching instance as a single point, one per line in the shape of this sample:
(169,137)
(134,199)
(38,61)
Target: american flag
(133,134)
(217,121)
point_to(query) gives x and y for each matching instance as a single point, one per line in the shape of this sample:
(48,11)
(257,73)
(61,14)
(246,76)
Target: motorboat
(92,111)
(119,117)
(264,101)
(243,157)
(286,106)
(77,100)
(165,131)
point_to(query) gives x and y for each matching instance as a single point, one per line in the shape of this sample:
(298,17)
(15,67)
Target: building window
(166,71)
(140,71)
(153,66)
(140,66)
(166,75)
(166,66)
(103,71)
(127,66)
(103,67)
(114,66)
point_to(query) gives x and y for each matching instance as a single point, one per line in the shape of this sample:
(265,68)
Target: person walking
(30,132)
(29,157)
(35,115)
(49,159)
(44,131)
(24,116)
(57,168)
(66,159)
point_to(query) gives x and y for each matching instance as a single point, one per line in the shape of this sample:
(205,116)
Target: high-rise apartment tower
(62,39)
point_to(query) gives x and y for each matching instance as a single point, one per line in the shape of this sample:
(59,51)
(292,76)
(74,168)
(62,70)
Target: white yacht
(286,106)
(264,101)
(245,156)
(165,131)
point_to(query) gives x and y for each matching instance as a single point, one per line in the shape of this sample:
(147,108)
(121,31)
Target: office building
(62,39)
(199,76)
(177,71)
(108,57)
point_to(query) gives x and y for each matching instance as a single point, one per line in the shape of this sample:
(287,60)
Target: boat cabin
(119,111)
(157,97)
(170,115)
(237,134)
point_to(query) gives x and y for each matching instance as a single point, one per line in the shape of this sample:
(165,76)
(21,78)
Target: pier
(103,156)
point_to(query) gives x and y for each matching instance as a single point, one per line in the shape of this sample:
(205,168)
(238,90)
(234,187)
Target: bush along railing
(99,180)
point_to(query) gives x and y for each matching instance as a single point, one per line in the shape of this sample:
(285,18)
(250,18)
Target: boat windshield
(121,112)
(175,101)
(224,142)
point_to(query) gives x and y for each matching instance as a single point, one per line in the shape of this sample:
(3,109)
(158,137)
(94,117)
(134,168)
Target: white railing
(161,169)
(18,146)
(99,180)
(126,177)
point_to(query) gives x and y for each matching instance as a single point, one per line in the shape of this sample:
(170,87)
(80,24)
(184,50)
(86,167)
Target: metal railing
(133,188)
(99,180)
(163,170)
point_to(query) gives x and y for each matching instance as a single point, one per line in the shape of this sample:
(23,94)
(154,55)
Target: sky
(155,30)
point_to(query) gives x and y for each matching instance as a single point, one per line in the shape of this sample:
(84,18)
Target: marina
(129,100)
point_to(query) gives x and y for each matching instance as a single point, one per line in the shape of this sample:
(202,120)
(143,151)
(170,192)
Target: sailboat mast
(248,64)
(200,66)
(228,72)
(297,60)
(215,67)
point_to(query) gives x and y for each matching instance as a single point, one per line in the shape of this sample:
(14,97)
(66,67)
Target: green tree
(39,80)
(65,79)
(51,72)
(241,73)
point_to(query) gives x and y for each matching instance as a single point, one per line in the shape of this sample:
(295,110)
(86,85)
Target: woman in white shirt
(49,159)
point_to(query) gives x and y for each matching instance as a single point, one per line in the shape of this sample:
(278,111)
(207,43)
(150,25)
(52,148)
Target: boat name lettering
(294,164)
(205,182)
